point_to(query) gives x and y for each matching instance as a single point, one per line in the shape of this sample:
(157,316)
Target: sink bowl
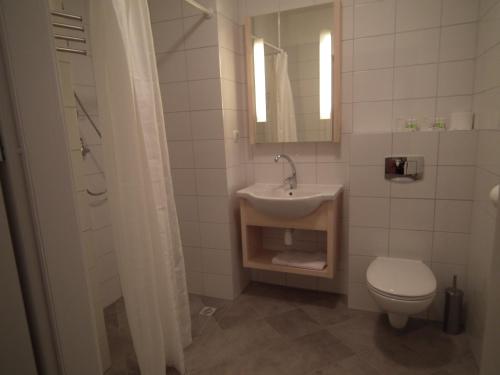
(282,202)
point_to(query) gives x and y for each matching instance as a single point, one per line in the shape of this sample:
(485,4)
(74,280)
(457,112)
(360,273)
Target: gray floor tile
(276,330)
(292,324)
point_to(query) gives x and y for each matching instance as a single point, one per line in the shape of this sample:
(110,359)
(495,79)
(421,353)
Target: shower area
(86,123)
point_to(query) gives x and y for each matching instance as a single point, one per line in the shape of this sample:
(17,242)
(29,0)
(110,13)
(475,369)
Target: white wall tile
(215,236)
(190,233)
(410,244)
(447,105)
(187,208)
(218,286)
(332,173)
(455,182)
(360,298)
(415,81)
(216,262)
(205,94)
(450,247)
(178,126)
(194,282)
(423,189)
(211,181)
(184,181)
(458,42)
(306,173)
(444,275)
(368,241)
(168,36)
(374,17)
(181,154)
(161,10)
(453,216)
(207,124)
(171,67)
(192,259)
(369,212)
(488,156)
(374,52)
(213,209)
(489,29)
(347,55)
(417,47)
(347,22)
(270,173)
(370,149)
(457,148)
(372,117)
(459,11)
(175,97)
(347,82)
(300,152)
(372,85)
(368,181)
(328,152)
(209,154)
(424,144)
(456,78)
(202,63)
(357,268)
(413,214)
(421,14)
(200,32)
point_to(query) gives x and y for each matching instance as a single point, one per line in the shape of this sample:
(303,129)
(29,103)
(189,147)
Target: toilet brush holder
(453,309)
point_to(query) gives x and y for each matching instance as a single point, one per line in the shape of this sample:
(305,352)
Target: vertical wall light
(260,80)
(325,75)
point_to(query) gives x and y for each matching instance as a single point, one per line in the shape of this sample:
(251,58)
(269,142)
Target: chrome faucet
(291,180)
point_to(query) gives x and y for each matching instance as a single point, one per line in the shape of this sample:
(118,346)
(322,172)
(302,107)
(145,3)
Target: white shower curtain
(285,110)
(143,214)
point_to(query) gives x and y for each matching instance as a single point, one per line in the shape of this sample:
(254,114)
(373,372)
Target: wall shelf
(326,218)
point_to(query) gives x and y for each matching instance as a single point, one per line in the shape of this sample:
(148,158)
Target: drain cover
(208,311)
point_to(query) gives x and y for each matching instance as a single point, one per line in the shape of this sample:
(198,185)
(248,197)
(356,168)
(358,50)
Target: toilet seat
(401,279)
(399,298)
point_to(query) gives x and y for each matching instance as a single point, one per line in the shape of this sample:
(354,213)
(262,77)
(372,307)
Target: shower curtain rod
(208,11)
(269,44)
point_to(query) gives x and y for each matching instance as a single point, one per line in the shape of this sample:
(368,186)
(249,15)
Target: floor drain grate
(208,311)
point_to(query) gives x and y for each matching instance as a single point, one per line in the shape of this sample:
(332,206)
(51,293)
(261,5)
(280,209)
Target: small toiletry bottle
(439,124)
(411,124)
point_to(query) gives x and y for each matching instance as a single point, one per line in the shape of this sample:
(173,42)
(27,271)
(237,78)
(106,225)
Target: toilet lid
(401,277)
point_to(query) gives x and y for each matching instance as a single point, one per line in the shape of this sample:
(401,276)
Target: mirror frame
(336,75)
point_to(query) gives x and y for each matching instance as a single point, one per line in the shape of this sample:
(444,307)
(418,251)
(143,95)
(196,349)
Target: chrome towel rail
(69,16)
(69,38)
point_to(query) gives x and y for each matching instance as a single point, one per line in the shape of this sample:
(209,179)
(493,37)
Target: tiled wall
(487,111)
(407,58)
(427,220)
(75,73)
(94,211)
(201,70)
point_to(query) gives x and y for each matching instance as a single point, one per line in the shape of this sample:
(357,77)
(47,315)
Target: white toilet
(401,287)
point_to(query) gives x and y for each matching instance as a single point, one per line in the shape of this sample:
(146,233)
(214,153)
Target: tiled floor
(275,330)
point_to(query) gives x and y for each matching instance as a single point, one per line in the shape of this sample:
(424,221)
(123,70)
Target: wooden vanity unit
(325,218)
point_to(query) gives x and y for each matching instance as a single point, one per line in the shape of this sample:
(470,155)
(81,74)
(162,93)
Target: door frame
(56,258)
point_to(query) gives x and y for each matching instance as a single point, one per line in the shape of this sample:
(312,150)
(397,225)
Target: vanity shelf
(325,218)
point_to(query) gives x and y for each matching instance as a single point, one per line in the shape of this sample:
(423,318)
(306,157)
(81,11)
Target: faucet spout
(291,180)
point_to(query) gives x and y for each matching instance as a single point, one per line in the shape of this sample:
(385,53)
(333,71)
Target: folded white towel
(301,259)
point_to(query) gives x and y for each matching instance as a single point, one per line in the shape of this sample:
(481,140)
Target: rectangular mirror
(293,75)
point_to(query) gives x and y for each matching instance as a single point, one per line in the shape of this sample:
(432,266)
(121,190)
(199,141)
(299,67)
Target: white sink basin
(279,201)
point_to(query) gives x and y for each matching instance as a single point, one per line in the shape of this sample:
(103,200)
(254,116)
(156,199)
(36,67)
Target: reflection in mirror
(292,54)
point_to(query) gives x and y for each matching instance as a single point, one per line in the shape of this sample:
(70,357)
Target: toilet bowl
(401,287)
